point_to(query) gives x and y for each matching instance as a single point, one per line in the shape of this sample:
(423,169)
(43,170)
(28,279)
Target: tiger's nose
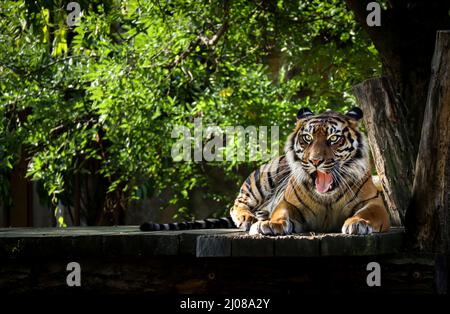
(316,161)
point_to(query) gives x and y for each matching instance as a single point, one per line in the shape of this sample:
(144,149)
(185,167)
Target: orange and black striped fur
(209,223)
(321,184)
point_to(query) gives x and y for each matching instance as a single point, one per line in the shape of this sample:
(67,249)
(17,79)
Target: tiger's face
(327,151)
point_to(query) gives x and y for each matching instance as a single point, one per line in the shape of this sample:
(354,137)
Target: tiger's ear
(304,113)
(355,113)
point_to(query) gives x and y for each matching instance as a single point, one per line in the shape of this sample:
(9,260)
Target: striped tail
(209,223)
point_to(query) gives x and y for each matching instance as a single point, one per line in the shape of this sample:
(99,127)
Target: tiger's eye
(334,138)
(307,138)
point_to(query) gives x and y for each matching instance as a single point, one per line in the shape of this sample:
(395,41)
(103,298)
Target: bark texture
(428,216)
(384,117)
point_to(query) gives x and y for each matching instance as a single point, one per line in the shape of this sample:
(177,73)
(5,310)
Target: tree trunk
(384,117)
(405,41)
(427,220)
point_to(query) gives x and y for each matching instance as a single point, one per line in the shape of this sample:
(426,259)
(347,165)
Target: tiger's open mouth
(323,181)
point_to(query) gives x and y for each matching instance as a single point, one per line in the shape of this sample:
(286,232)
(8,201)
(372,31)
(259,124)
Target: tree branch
(200,39)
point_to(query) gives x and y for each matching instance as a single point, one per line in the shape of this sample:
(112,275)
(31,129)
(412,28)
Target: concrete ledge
(301,245)
(99,241)
(130,241)
(123,260)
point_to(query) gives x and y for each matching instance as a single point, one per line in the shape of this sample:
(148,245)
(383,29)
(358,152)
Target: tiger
(322,183)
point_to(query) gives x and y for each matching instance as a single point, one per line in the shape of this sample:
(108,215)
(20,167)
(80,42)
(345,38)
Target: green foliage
(109,91)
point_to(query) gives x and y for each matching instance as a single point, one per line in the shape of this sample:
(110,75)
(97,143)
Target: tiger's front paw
(356,225)
(244,221)
(267,227)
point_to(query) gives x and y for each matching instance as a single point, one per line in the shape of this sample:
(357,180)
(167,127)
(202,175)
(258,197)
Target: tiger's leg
(242,216)
(279,223)
(372,217)
(252,194)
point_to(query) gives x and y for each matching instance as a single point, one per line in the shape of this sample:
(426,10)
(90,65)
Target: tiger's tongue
(323,182)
